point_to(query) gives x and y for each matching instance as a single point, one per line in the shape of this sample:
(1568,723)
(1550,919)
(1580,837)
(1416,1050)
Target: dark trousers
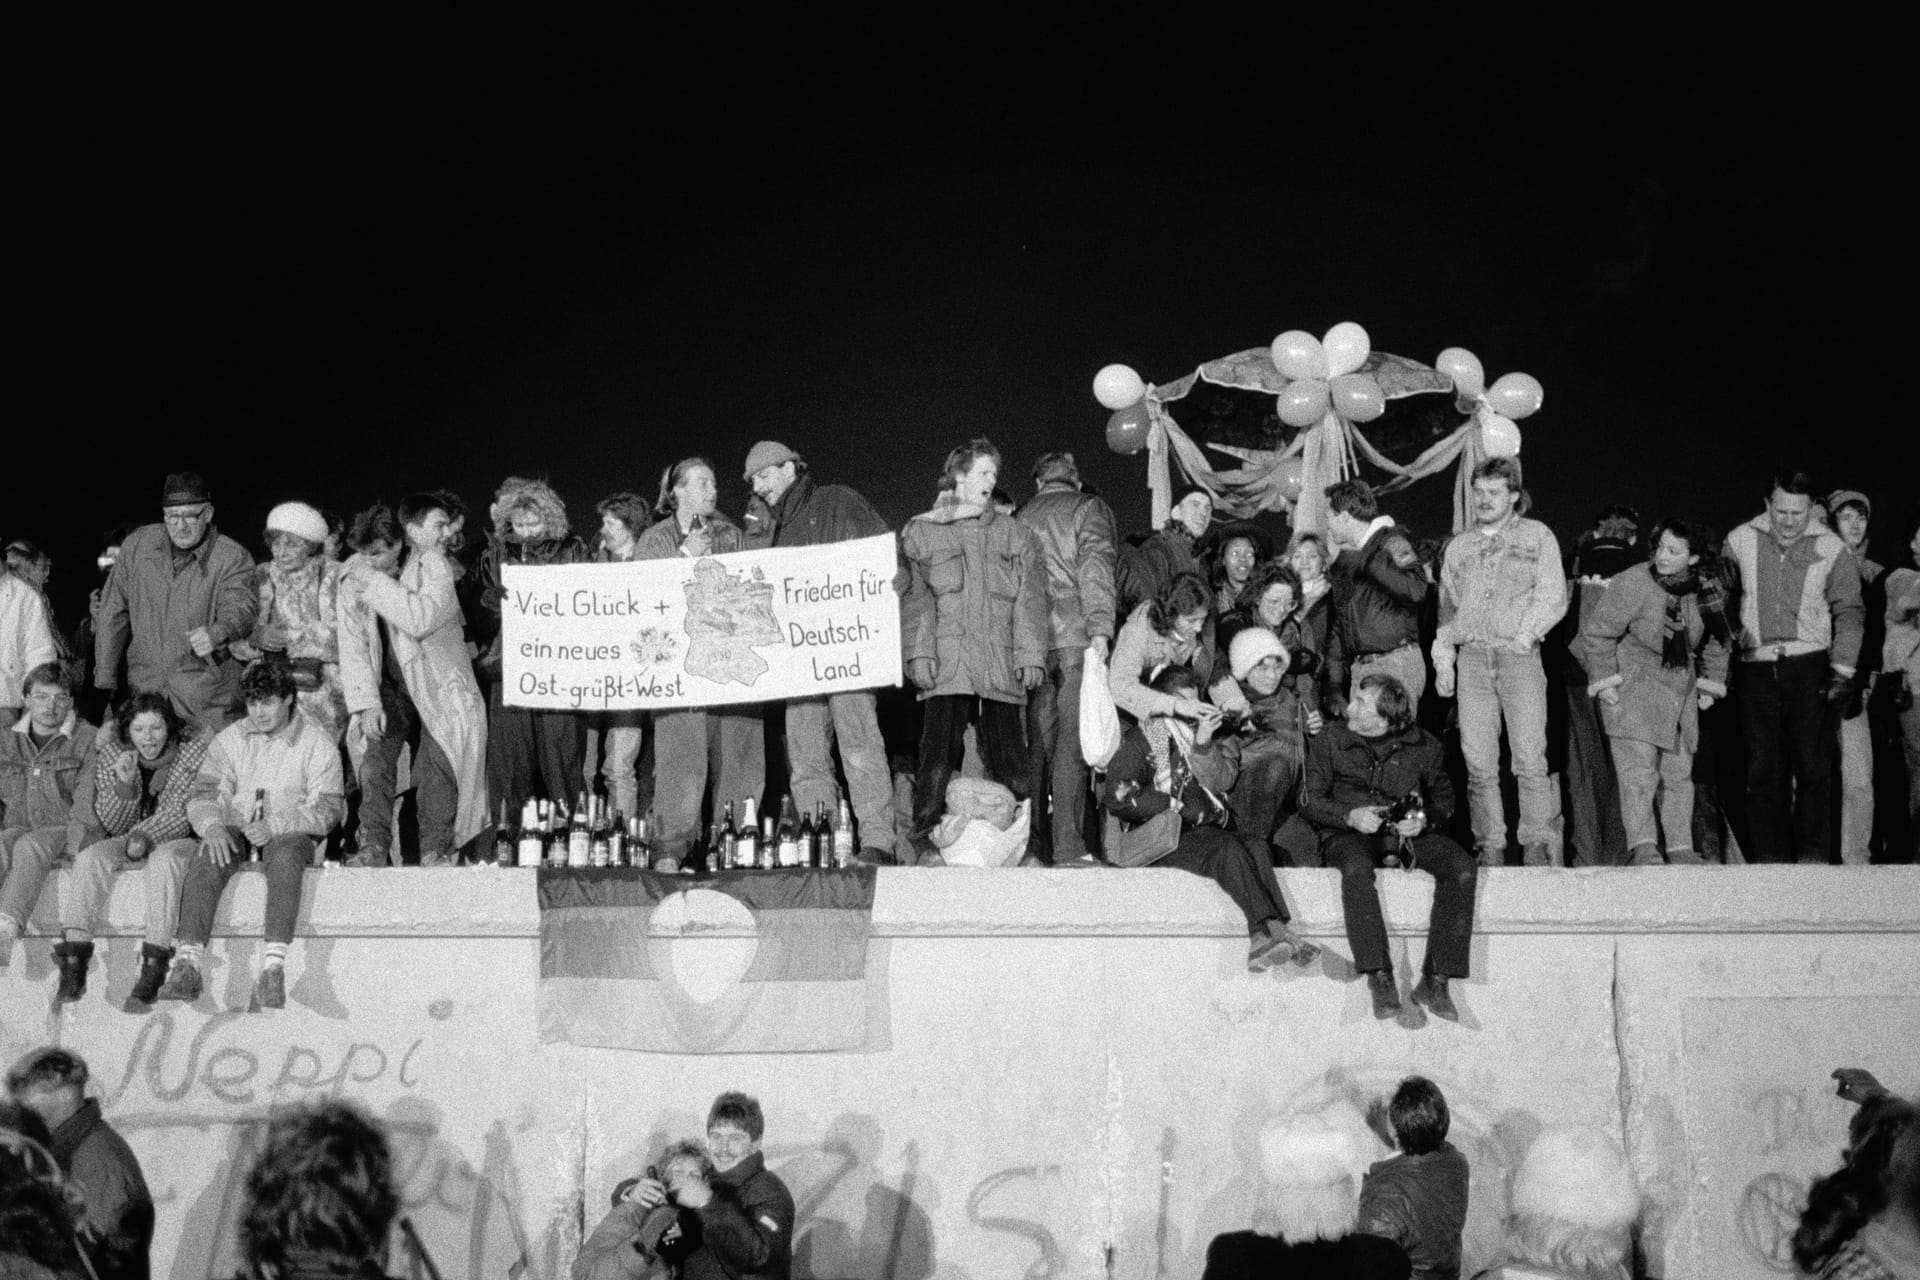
(1230,862)
(1449,928)
(1790,731)
(436,792)
(1003,748)
(1054,762)
(1594,829)
(533,753)
(285,860)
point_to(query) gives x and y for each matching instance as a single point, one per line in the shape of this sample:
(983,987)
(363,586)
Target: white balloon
(1118,387)
(1347,348)
(1499,435)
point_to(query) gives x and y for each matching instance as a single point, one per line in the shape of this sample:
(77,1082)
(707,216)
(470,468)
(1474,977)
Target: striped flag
(742,962)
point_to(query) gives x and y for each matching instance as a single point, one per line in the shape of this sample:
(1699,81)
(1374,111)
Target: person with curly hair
(116,1221)
(320,1201)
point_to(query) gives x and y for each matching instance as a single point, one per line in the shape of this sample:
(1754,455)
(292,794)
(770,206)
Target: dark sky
(352,264)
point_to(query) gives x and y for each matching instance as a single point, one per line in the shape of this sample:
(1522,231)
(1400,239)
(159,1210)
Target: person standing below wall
(178,596)
(271,784)
(795,510)
(320,1201)
(1076,533)
(46,796)
(416,629)
(1851,514)
(1656,649)
(1378,587)
(529,752)
(1418,1198)
(1802,621)
(117,1232)
(687,740)
(1502,589)
(974,631)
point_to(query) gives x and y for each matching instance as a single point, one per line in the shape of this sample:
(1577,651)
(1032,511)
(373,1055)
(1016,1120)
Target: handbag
(1143,843)
(1099,718)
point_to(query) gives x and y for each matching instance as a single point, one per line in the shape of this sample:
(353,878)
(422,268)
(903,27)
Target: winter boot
(73,959)
(153,971)
(183,981)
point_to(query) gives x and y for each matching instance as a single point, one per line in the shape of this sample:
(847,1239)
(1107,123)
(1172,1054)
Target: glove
(1840,689)
(921,672)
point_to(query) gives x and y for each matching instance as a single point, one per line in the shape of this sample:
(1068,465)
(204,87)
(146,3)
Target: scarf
(1163,742)
(1676,650)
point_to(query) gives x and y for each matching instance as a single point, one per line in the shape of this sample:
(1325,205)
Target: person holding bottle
(689,741)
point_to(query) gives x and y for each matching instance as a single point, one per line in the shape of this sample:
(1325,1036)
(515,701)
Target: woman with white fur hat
(298,622)
(1571,1210)
(1312,1162)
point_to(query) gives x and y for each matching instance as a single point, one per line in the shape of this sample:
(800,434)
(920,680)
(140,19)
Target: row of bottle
(591,836)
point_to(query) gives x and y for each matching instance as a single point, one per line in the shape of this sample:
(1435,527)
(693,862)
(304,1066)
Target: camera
(1408,806)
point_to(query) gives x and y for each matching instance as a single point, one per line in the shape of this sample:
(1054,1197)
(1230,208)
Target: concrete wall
(1064,1072)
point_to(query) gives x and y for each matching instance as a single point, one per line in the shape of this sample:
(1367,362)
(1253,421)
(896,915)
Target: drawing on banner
(748,626)
(728,614)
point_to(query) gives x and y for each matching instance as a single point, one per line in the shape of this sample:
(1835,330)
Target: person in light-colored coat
(1655,663)
(429,640)
(974,630)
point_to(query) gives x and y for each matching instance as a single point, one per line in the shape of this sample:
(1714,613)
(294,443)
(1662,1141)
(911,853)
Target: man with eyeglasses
(46,796)
(179,594)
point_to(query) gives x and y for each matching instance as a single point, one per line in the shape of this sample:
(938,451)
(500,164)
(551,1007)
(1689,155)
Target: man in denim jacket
(1502,589)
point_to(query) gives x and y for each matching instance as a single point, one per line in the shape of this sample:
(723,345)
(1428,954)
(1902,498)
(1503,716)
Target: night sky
(350,265)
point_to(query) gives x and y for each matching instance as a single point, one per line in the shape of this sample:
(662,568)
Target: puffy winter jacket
(1076,537)
(976,601)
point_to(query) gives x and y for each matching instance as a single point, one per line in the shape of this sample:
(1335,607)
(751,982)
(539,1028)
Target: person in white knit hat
(1311,1164)
(299,620)
(1571,1210)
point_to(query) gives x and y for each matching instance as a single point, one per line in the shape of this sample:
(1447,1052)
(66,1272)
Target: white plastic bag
(1099,718)
(976,842)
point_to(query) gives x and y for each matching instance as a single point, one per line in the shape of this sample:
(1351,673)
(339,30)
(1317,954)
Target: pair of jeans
(84,893)
(1856,791)
(942,737)
(1449,927)
(1406,664)
(1056,771)
(1234,865)
(533,752)
(284,859)
(1496,686)
(1647,774)
(436,789)
(688,748)
(624,734)
(814,726)
(1788,726)
(27,855)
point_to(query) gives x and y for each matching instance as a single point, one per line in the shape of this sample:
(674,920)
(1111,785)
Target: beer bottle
(259,815)
(746,845)
(617,840)
(557,835)
(579,835)
(723,843)
(788,837)
(639,842)
(529,847)
(769,844)
(809,852)
(843,836)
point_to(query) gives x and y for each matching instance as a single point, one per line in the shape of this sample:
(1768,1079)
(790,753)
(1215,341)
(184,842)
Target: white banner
(747,627)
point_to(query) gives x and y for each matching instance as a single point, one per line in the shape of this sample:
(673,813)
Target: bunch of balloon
(1325,393)
(1497,408)
(1120,389)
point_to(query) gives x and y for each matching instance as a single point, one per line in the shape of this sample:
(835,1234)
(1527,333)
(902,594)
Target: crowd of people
(1317,703)
(321,1198)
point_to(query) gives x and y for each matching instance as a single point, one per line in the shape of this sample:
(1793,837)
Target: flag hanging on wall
(742,962)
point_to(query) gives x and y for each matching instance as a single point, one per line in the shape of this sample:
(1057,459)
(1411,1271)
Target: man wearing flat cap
(801,512)
(178,596)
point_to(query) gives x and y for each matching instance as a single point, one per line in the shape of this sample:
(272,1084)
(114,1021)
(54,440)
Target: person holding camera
(728,1216)
(1165,790)
(1376,790)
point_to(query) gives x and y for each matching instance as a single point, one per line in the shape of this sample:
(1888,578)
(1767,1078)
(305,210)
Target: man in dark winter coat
(178,595)
(1356,773)
(1077,542)
(801,512)
(746,1215)
(118,1231)
(1378,586)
